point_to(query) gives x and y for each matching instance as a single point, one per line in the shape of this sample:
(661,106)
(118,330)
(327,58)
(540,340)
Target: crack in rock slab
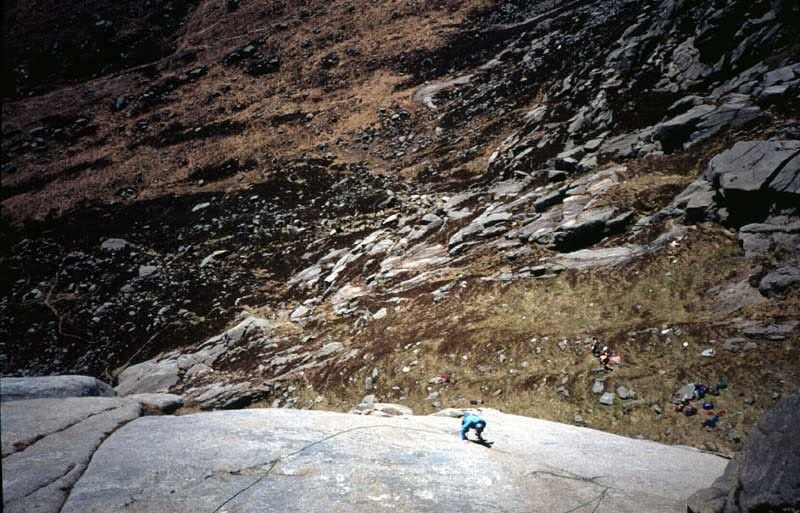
(39,478)
(26,424)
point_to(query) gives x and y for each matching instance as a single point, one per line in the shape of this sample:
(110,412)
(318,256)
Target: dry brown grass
(369,41)
(627,308)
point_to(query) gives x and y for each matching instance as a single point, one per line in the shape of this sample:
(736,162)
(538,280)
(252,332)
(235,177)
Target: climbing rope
(599,500)
(275,462)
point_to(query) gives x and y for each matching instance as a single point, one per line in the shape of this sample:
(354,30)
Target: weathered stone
(150,376)
(222,396)
(674,132)
(162,403)
(765,475)
(774,235)
(381,409)
(707,500)
(114,244)
(625,392)
(299,312)
(754,166)
(329,349)
(147,270)
(15,389)
(697,201)
(612,256)
(202,460)
(607,399)
(779,280)
(47,444)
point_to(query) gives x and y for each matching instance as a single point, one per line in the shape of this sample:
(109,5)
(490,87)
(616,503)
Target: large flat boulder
(15,389)
(757,166)
(308,461)
(47,444)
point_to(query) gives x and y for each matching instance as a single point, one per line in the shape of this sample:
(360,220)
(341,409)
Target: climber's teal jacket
(470,421)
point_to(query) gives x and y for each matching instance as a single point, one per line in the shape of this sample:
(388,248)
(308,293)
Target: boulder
(768,475)
(776,234)
(625,392)
(15,389)
(589,227)
(114,244)
(148,376)
(757,166)
(779,280)
(697,201)
(381,409)
(674,132)
(764,476)
(161,403)
(703,121)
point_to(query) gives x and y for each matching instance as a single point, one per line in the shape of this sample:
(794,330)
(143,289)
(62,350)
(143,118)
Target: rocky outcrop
(703,121)
(765,475)
(16,389)
(771,167)
(294,460)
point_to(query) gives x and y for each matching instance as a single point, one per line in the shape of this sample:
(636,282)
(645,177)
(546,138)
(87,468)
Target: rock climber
(472,421)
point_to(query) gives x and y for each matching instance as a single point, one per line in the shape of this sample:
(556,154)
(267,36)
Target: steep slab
(307,461)
(47,444)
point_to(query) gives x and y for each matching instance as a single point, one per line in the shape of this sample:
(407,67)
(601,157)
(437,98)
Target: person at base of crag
(597,347)
(605,359)
(472,421)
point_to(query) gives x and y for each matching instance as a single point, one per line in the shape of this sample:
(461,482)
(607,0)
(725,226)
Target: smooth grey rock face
(765,476)
(15,389)
(47,444)
(769,475)
(148,377)
(224,396)
(336,462)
